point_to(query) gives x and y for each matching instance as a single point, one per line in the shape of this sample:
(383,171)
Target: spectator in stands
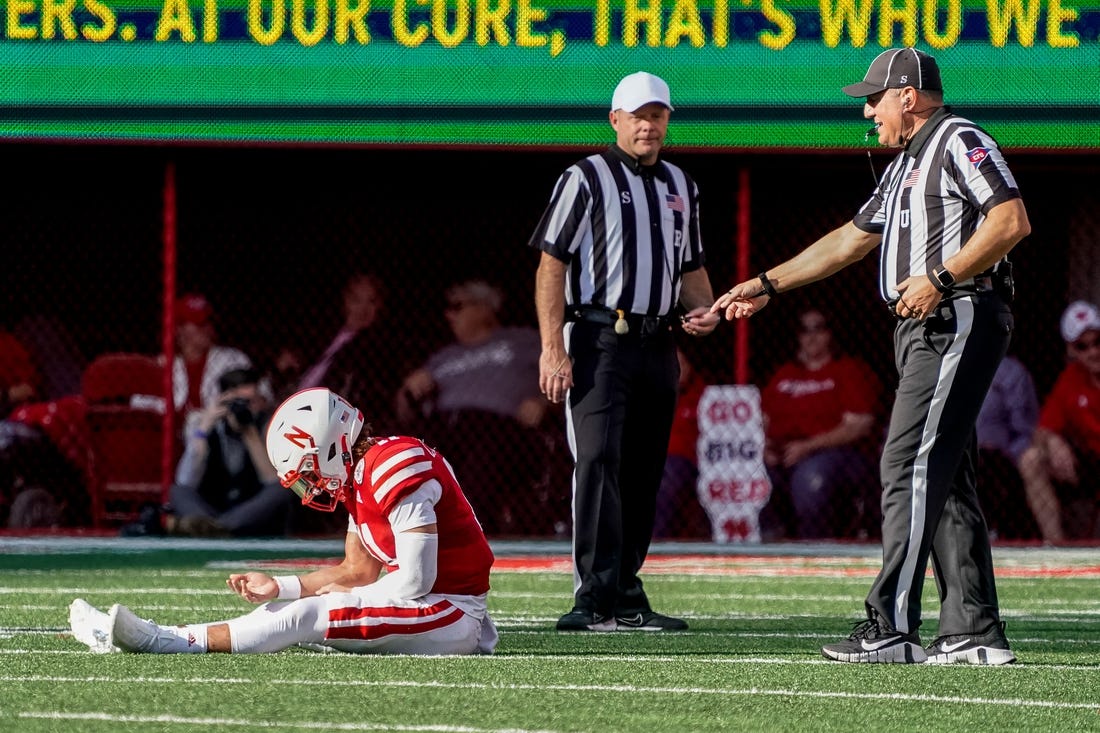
(478,400)
(200,360)
(1062,467)
(54,351)
(819,416)
(41,472)
(20,380)
(284,371)
(1006,426)
(225,485)
(679,513)
(361,362)
(32,464)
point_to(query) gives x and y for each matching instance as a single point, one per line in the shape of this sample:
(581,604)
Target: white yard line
(622,689)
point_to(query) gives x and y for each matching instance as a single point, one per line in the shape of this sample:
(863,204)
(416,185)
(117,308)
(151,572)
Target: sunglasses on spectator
(457,305)
(1086,344)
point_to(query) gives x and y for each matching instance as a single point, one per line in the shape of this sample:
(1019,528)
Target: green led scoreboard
(745,74)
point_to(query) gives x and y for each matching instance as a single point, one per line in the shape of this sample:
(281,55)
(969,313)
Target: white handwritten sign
(733,484)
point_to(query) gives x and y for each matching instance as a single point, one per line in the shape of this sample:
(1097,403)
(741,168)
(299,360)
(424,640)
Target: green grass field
(750,661)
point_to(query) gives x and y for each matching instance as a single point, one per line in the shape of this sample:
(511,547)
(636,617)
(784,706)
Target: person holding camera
(225,485)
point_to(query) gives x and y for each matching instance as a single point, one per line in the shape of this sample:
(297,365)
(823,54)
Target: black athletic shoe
(650,621)
(581,620)
(872,642)
(988,647)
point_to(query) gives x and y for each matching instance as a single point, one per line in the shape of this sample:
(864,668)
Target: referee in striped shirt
(620,251)
(946,212)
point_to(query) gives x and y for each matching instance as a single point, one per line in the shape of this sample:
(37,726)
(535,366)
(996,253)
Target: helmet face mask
(309,441)
(315,491)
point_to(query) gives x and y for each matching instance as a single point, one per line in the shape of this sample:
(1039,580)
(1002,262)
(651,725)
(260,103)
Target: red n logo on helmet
(299,438)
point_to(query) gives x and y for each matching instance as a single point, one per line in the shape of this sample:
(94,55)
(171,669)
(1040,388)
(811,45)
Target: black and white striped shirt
(627,232)
(933,197)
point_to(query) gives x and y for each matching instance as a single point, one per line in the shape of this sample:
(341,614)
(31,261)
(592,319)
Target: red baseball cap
(194,308)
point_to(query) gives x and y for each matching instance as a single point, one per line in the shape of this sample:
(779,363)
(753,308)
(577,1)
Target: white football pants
(349,622)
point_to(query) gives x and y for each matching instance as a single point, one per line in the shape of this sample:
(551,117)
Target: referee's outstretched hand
(741,301)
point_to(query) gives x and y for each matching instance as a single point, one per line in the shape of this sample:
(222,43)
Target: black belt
(982,284)
(635,323)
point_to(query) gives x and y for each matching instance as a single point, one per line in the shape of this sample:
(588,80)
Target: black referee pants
(929,496)
(620,414)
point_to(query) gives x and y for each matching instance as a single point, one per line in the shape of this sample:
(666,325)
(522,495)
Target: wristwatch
(767,287)
(941,278)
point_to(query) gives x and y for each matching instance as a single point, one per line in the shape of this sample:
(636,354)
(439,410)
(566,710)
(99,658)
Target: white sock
(188,639)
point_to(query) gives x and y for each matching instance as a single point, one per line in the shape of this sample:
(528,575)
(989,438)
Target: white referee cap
(639,89)
(1079,317)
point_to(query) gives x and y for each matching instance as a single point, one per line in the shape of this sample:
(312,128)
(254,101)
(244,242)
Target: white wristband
(290,587)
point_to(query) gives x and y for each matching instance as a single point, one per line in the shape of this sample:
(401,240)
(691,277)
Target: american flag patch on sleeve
(674,202)
(911,179)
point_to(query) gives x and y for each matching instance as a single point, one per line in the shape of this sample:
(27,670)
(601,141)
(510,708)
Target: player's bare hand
(700,321)
(253,587)
(555,374)
(740,301)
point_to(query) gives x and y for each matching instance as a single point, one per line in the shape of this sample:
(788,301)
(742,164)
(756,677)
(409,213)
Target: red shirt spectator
(1060,468)
(62,421)
(819,416)
(685,427)
(802,401)
(1072,409)
(19,377)
(679,513)
(200,360)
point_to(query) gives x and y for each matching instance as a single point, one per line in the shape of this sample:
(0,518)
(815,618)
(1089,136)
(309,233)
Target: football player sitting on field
(408,516)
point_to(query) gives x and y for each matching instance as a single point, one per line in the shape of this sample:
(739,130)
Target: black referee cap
(897,68)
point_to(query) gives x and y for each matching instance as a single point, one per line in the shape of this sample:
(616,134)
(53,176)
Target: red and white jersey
(391,470)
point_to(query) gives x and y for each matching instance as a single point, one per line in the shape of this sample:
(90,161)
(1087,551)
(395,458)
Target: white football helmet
(309,442)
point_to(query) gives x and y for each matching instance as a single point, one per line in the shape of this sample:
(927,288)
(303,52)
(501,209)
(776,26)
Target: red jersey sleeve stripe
(416,473)
(390,461)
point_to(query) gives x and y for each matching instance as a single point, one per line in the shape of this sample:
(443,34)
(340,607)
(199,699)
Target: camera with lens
(241,411)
